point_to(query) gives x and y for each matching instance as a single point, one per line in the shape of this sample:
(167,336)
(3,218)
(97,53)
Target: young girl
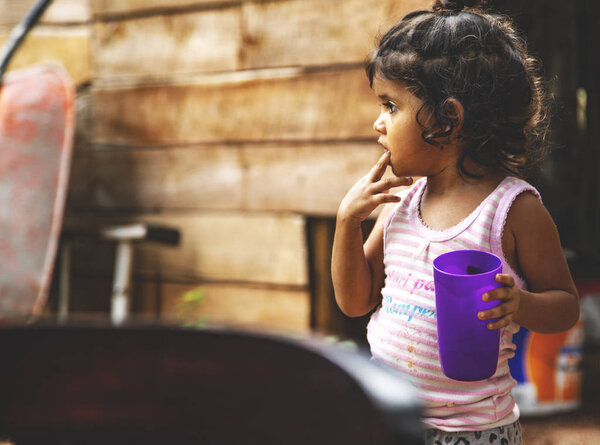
(462,106)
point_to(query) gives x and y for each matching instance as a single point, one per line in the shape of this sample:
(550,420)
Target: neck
(450,181)
(449,198)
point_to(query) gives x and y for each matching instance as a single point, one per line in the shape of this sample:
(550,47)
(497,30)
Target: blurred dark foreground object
(73,384)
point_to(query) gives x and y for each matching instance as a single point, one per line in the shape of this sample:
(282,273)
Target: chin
(404,174)
(399,172)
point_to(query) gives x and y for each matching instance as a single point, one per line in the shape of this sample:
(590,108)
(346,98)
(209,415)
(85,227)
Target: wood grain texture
(255,248)
(163,45)
(158,179)
(283,8)
(230,120)
(243,35)
(303,107)
(301,178)
(69,46)
(107,7)
(229,304)
(317,32)
(59,12)
(263,306)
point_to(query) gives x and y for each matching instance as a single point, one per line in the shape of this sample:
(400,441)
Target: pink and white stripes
(403,333)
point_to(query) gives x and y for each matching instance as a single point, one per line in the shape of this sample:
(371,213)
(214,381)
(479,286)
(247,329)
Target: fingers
(499,324)
(385,198)
(501,293)
(501,315)
(371,191)
(505,279)
(377,172)
(378,169)
(384,185)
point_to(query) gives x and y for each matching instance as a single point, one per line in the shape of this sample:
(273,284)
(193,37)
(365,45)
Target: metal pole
(64,283)
(119,309)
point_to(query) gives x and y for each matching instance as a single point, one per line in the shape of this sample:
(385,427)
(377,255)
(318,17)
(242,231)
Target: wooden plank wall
(234,121)
(62,35)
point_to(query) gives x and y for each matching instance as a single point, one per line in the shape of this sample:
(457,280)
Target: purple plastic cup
(468,349)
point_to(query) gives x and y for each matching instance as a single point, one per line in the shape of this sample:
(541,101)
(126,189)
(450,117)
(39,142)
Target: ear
(456,113)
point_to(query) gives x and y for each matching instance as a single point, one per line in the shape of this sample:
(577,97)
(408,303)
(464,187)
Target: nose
(379,125)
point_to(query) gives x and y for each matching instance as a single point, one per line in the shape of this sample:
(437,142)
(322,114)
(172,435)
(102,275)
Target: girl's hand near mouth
(370,192)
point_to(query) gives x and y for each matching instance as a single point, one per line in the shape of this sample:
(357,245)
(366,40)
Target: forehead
(391,89)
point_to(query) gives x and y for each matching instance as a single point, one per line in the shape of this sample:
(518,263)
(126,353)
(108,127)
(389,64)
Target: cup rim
(482,252)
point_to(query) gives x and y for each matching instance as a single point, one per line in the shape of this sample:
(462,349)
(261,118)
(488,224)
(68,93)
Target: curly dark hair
(479,59)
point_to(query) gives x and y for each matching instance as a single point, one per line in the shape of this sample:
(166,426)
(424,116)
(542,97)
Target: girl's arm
(532,245)
(357,270)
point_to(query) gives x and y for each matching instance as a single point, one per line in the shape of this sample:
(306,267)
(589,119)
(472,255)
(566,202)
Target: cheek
(416,131)
(407,127)
(397,132)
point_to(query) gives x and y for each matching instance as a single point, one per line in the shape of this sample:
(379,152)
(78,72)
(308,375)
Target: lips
(381,143)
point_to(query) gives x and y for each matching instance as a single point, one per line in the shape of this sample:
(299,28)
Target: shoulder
(527,223)
(525,211)
(515,199)
(536,246)
(529,226)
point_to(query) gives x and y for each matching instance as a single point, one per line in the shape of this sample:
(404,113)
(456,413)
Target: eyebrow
(385,97)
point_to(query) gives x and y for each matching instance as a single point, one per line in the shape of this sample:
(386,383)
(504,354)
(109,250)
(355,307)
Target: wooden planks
(245,305)
(107,7)
(123,7)
(62,35)
(239,35)
(251,269)
(68,46)
(163,45)
(234,121)
(261,248)
(59,12)
(300,107)
(269,309)
(316,32)
(157,179)
(301,178)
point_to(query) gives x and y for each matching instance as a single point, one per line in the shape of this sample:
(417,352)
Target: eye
(390,106)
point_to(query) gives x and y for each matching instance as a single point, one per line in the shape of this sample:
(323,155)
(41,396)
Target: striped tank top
(402,332)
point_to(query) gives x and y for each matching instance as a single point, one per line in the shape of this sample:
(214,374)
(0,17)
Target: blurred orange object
(546,367)
(37,122)
(542,362)
(553,365)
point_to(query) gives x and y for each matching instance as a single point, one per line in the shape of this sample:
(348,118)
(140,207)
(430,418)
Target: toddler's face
(401,133)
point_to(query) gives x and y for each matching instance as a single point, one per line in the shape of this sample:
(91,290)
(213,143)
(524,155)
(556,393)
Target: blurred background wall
(243,123)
